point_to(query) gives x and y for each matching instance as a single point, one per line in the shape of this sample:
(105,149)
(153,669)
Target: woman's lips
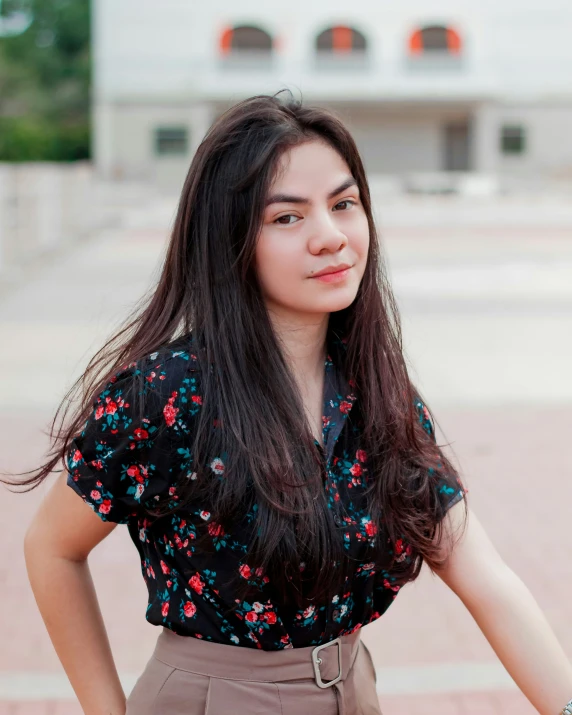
(333,277)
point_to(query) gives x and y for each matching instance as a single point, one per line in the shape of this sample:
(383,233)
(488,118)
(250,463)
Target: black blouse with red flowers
(120,463)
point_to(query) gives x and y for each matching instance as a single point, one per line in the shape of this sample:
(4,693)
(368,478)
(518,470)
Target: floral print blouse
(119,463)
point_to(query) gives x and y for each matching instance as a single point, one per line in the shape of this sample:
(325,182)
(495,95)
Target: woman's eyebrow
(289,199)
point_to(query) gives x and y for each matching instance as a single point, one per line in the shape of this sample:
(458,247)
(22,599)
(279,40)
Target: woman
(255,427)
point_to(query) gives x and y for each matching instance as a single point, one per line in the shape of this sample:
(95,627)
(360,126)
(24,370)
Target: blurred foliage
(45,82)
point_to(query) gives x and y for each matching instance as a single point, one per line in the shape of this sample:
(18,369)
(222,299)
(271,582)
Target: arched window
(341,47)
(245,38)
(246,47)
(435,39)
(341,39)
(435,48)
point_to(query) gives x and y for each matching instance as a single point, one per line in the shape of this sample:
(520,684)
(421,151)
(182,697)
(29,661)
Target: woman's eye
(346,201)
(288,223)
(285,223)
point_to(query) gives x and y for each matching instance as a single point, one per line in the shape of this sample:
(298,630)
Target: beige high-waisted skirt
(190,676)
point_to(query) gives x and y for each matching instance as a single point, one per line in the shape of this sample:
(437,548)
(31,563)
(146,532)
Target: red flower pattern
(126,467)
(190,609)
(196,584)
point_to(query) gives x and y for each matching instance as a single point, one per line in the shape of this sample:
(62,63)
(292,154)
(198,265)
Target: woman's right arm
(56,547)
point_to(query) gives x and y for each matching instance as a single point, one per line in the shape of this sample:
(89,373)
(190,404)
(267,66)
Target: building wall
(406,137)
(548,139)
(134,128)
(163,66)
(511,48)
(399,146)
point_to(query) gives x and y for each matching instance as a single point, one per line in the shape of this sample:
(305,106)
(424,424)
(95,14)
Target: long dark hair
(208,287)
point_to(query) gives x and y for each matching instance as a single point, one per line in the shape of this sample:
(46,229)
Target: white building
(440,86)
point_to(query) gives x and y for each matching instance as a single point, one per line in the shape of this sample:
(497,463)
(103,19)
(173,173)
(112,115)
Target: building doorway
(457,142)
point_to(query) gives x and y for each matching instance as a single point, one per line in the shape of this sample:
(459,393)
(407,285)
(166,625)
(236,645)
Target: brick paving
(465,704)
(507,421)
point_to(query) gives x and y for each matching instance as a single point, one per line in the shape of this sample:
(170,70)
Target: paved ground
(485,292)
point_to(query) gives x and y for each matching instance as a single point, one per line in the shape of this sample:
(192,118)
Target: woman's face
(313,220)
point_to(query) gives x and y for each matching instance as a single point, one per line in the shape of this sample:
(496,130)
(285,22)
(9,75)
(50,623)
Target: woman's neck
(303,341)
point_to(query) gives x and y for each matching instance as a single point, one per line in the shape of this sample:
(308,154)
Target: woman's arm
(57,545)
(508,616)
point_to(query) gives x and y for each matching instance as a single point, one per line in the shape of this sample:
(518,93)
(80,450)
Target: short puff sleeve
(121,460)
(449,489)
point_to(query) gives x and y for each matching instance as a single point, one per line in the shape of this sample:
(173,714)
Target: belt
(317,661)
(327,664)
(318,656)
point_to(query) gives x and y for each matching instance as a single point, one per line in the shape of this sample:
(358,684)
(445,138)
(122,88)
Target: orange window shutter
(342,39)
(416,43)
(453,41)
(225,43)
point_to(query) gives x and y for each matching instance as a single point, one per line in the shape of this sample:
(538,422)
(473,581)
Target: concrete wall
(403,137)
(133,137)
(548,140)
(43,206)
(399,146)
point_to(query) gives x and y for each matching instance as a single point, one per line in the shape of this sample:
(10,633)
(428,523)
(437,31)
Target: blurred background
(463,114)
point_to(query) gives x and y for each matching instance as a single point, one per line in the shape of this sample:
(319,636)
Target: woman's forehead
(314,165)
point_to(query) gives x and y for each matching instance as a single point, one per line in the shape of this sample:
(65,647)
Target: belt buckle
(316,662)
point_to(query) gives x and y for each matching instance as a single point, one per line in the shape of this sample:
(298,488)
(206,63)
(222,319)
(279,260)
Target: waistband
(325,663)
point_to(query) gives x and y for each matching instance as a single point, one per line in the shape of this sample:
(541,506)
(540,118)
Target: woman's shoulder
(162,386)
(123,454)
(177,357)
(163,368)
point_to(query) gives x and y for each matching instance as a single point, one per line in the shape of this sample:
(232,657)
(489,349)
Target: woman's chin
(333,305)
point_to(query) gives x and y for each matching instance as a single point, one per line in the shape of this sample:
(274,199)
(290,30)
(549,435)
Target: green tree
(45,80)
